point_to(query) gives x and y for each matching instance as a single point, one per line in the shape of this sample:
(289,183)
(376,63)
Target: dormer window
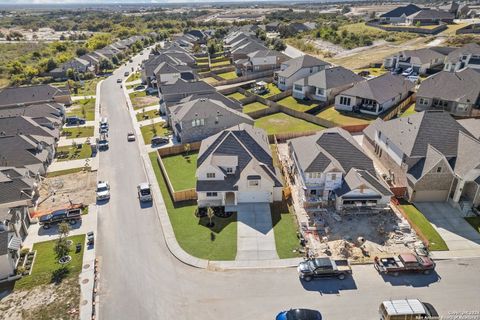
(439,169)
(198,122)
(210,175)
(229,170)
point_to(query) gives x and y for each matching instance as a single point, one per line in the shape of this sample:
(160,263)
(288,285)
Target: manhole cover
(86,266)
(85,281)
(84,302)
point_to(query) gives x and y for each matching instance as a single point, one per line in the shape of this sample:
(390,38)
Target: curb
(169,235)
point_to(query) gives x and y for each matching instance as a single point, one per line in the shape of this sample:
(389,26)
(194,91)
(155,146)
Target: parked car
(102,143)
(103,128)
(119,80)
(139,87)
(126,74)
(74,120)
(299,314)
(323,268)
(156,141)
(151,91)
(130,136)
(407,262)
(413,78)
(144,192)
(407,72)
(364,73)
(64,215)
(103,191)
(406,309)
(397,70)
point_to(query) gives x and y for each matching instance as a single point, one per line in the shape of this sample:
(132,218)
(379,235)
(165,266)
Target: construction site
(359,237)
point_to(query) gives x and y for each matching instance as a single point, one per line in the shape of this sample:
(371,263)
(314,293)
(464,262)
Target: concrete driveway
(255,239)
(460,237)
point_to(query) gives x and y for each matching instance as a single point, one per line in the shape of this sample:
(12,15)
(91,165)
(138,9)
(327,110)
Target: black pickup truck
(323,268)
(64,215)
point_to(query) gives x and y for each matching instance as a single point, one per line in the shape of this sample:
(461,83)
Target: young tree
(62,248)
(210,215)
(187,148)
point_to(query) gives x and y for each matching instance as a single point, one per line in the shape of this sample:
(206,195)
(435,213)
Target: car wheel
(426,272)
(46,226)
(341,276)
(307,278)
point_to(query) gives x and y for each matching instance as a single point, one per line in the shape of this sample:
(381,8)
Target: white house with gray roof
(201,118)
(431,155)
(298,68)
(420,60)
(325,84)
(455,92)
(330,167)
(466,56)
(375,95)
(235,166)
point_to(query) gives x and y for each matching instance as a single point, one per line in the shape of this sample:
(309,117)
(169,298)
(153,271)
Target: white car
(103,190)
(144,192)
(130,136)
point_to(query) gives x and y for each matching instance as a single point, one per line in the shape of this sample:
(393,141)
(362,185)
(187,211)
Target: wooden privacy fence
(419,30)
(389,114)
(180,195)
(248,77)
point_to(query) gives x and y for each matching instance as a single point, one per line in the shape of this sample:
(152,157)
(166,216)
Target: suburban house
(9,253)
(375,95)
(43,93)
(325,84)
(236,166)
(42,113)
(421,60)
(260,60)
(399,14)
(165,73)
(201,36)
(430,154)
(272,26)
(171,94)
(455,92)
(201,118)
(298,27)
(78,65)
(472,125)
(330,168)
(231,103)
(430,17)
(466,56)
(179,62)
(298,68)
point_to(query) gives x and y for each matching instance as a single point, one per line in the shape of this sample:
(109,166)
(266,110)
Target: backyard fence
(248,77)
(180,195)
(389,114)
(419,30)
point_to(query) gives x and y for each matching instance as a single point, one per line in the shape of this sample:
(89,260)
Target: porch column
(458,191)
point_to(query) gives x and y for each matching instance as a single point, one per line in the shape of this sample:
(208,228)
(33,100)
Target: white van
(406,309)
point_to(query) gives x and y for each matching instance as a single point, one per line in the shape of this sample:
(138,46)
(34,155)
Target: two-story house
(235,166)
(325,84)
(260,60)
(455,92)
(375,95)
(466,56)
(298,68)
(430,154)
(201,118)
(330,167)
(171,94)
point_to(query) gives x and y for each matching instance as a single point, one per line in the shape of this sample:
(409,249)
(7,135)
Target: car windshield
(144,192)
(102,189)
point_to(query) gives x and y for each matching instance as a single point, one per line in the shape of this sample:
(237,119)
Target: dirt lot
(56,192)
(45,302)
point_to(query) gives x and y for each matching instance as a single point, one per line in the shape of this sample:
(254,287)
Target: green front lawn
(134,76)
(409,111)
(436,243)
(474,222)
(237,96)
(285,231)
(220,64)
(181,170)
(84,108)
(46,268)
(282,123)
(78,132)
(340,119)
(80,151)
(228,75)
(149,131)
(218,243)
(299,105)
(148,115)
(254,106)
(272,90)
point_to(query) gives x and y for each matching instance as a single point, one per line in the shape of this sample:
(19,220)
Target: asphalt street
(140,279)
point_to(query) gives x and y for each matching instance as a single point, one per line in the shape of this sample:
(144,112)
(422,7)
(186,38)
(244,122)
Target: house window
(423,101)
(439,169)
(210,175)
(345,101)
(229,170)
(298,87)
(282,80)
(320,92)
(334,176)
(212,194)
(253,183)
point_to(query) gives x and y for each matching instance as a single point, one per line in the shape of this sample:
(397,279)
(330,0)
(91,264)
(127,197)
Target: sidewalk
(86,124)
(72,164)
(167,228)
(154,107)
(149,121)
(76,98)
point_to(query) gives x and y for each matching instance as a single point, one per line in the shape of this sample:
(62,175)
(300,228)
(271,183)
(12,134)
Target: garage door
(254,197)
(431,196)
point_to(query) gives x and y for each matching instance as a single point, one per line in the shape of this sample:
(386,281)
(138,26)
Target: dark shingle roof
(296,64)
(399,11)
(333,78)
(30,94)
(432,14)
(186,87)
